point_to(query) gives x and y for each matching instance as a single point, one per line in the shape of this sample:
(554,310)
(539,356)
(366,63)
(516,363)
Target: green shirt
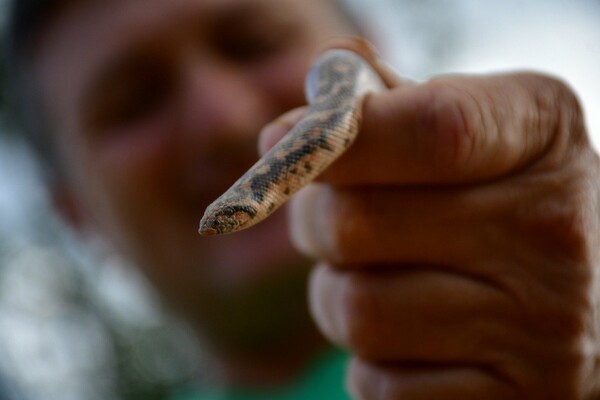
(324,379)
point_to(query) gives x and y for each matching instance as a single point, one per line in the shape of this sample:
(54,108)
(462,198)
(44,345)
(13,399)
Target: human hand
(458,243)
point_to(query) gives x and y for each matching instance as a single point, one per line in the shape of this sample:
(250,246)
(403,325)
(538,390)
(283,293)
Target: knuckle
(556,109)
(450,120)
(563,220)
(557,223)
(554,89)
(564,320)
(558,228)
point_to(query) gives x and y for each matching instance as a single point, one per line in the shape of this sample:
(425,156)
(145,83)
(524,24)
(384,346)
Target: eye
(137,98)
(254,39)
(130,95)
(251,48)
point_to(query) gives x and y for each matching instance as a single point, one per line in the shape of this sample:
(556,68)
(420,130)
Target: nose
(220,102)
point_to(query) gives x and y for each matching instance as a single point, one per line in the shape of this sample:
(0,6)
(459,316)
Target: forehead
(93,20)
(87,33)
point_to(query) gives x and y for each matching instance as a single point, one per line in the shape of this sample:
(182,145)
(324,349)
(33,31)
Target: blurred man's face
(158,104)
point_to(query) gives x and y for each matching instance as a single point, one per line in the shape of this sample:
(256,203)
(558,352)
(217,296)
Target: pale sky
(560,37)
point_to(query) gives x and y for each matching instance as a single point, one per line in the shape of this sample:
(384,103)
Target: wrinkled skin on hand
(458,242)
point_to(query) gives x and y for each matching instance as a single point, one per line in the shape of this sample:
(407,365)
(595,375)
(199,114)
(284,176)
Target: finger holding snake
(458,242)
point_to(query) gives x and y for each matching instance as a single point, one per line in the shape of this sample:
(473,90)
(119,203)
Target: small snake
(335,88)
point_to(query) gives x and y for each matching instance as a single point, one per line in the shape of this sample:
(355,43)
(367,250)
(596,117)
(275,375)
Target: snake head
(226,219)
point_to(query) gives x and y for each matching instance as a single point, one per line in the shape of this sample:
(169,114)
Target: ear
(66,203)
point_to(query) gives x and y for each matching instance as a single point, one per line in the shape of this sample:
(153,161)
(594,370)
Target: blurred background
(75,327)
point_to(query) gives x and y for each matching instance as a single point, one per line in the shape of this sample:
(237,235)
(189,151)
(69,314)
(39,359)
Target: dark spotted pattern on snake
(335,89)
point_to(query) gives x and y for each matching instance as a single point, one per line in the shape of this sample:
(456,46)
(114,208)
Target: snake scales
(335,88)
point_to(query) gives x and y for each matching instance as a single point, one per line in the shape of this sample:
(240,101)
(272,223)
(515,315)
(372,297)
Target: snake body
(335,88)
